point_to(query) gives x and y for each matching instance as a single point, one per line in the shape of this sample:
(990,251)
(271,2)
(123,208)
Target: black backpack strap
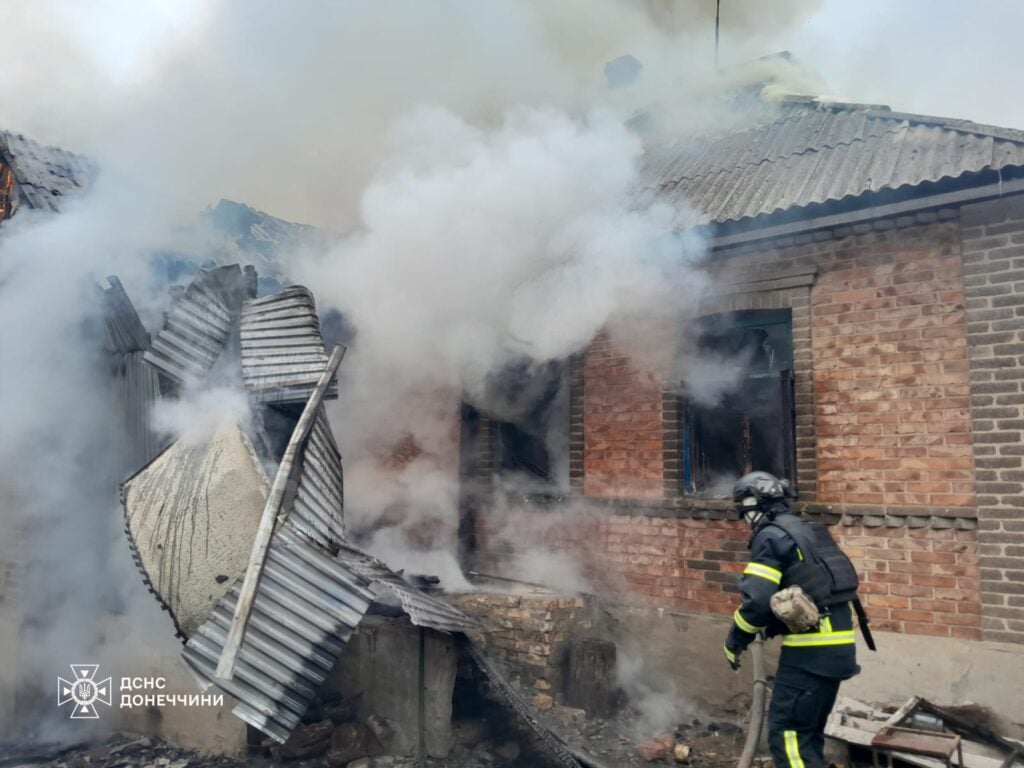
(794,528)
(864,622)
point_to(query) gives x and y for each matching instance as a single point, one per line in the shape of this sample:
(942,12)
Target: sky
(935,57)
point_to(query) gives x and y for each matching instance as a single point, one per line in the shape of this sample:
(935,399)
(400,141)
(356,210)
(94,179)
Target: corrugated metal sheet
(317,509)
(135,385)
(195,333)
(125,331)
(423,610)
(136,389)
(818,154)
(283,352)
(307,605)
(315,589)
(44,175)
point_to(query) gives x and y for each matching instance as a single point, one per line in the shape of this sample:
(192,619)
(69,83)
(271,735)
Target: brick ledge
(869,516)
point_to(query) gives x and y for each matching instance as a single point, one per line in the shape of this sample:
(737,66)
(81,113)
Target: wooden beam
(254,570)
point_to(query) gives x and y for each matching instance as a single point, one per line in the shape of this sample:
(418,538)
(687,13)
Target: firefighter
(818,646)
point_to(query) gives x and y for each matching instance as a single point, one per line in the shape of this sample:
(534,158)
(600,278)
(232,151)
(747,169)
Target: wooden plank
(253,572)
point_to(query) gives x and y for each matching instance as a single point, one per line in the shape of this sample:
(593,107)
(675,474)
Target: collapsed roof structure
(315,585)
(36,176)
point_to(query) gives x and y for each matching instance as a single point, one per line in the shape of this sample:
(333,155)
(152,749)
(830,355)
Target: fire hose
(757,708)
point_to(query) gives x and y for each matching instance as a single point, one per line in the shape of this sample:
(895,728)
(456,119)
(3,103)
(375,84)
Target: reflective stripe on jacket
(828,650)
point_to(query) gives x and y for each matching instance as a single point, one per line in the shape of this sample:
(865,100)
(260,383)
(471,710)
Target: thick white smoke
(479,248)
(471,148)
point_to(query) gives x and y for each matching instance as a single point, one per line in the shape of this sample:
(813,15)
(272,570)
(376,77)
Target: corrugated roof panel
(136,390)
(194,335)
(816,154)
(318,504)
(283,352)
(125,332)
(307,605)
(423,610)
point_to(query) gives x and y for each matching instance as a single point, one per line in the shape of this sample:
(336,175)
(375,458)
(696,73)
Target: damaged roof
(44,175)
(314,586)
(809,152)
(282,347)
(125,331)
(307,605)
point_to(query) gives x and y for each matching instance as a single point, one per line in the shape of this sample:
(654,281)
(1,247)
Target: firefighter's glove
(733,657)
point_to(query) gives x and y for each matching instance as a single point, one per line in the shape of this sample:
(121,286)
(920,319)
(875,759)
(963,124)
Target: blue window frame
(748,422)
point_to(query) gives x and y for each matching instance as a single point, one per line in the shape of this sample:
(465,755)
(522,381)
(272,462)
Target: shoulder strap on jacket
(794,527)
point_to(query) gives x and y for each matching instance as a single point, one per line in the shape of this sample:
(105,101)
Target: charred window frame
(527,425)
(752,425)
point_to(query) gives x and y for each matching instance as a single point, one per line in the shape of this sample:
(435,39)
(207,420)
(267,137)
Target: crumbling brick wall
(993,255)
(530,634)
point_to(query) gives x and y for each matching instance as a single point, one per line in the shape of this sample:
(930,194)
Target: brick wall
(915,580)
(531,634)
(993,255)
(884,417)
(890,373)
(622,428)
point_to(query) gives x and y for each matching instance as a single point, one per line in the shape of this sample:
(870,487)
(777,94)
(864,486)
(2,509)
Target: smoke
(196,416)
(479,249)
(285,106)
(470,149)
(658,705)
(58,447)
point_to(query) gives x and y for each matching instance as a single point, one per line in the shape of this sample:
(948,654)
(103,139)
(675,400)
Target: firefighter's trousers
(801,703)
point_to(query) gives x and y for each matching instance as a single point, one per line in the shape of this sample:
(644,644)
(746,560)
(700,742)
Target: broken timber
(243,607)
(859,724)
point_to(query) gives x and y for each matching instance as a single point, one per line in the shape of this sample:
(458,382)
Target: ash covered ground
(478,744)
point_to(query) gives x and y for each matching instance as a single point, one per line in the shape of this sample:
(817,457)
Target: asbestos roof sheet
(283,352)
(809,153)
(44,175)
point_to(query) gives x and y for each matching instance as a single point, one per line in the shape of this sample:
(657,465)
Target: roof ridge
(881,112)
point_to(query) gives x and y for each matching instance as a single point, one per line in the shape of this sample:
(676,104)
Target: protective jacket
(777,561)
